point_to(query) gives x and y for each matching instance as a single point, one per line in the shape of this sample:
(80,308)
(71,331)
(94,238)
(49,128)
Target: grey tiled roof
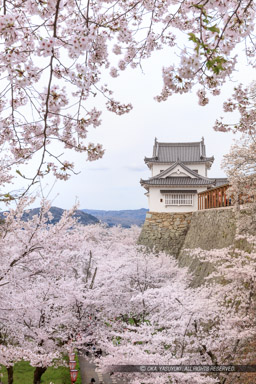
(184,152)
(178,181)
(221,181)
(181,165)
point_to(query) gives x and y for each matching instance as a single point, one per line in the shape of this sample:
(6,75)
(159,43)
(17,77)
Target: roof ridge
(170,152)
(187,143)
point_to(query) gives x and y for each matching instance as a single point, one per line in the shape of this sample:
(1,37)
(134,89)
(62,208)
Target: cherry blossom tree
(235,271)
(150,314)
(242,101)
(55,55)
(167,322)
(42,287)
(240,167)
(239,163)
(93,286)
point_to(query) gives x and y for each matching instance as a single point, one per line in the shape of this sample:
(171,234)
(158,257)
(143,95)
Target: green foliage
(133,319)
(6,197)
(201,7)
(198,6)
(196,40)
(214,28)
(23,374)
(117,340)
(107,324)
(216,64)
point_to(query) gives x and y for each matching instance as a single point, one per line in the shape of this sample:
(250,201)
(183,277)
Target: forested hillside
(125,218)
(83,218)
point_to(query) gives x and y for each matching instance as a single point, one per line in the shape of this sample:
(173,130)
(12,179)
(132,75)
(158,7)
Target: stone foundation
(165,231)
(174,233)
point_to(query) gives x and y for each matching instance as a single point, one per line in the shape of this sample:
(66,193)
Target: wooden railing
(214,198)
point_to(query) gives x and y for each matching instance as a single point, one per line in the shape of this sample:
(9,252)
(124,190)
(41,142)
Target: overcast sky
(113,182)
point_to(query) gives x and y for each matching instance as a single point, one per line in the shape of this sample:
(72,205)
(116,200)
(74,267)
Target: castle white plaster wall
(156,168)
(155,205)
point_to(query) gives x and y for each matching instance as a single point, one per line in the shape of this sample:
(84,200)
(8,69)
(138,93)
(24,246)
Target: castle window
(179,199)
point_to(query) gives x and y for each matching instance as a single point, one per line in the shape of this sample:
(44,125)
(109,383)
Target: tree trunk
(10,375)
(38,372)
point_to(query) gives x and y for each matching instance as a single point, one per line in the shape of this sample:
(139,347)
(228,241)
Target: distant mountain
(83,217)
(125,218)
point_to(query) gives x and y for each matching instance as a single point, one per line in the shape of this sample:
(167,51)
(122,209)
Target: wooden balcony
(214,198)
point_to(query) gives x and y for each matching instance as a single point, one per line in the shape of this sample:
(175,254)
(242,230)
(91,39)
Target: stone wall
(209,229)
(165,231)
(174,233)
